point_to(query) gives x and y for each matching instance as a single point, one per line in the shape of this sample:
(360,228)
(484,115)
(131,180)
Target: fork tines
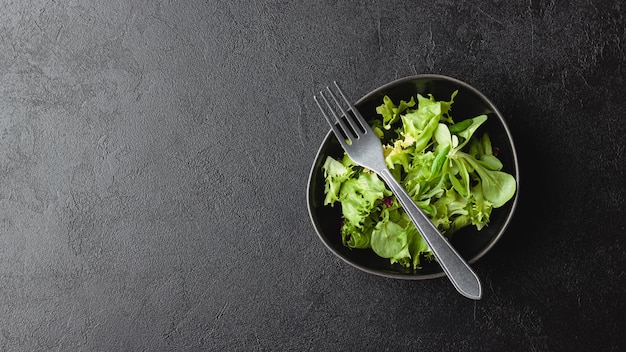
(352,124)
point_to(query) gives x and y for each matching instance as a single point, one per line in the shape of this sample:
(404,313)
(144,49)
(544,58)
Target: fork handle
(458,271)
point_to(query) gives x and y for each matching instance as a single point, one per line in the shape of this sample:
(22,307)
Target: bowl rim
(509,216)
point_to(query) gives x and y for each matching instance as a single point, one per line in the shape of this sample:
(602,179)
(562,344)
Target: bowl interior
(469,242)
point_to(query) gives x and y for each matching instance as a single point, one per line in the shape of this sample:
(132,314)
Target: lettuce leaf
(335,174)
(390,112)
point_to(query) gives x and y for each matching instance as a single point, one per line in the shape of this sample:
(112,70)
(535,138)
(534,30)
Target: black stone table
(154,159)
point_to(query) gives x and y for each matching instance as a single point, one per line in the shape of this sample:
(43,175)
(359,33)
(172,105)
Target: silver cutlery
(365,148)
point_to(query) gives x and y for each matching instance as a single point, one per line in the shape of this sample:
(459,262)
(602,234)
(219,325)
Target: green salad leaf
(452,174)
(390,112)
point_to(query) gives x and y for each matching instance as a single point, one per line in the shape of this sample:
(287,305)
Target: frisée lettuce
(451,173)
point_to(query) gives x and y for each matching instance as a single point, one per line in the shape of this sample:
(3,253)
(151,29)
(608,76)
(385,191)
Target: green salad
(451,172)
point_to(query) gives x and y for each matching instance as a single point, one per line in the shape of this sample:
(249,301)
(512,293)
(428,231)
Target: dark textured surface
(154,156)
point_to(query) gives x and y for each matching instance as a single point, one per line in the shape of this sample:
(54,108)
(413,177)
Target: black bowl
(469,242)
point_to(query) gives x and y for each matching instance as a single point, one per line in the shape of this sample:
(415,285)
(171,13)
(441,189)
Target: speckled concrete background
(154,157)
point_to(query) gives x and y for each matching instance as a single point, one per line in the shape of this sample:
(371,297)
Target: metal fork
(365,148)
